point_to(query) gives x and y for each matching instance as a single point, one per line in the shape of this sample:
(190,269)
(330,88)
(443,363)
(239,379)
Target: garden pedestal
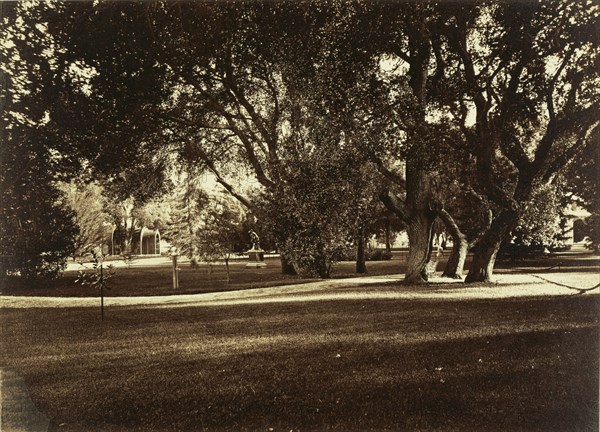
(257,258)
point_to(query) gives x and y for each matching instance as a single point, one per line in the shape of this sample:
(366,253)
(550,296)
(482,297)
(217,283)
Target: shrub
(379,255)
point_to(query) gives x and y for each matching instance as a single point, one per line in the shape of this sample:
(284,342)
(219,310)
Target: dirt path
(363,288)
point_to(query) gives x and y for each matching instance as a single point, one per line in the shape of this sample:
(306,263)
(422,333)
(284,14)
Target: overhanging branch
(395,205)
(208,163)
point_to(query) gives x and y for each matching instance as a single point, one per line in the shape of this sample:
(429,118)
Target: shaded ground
(527,364)
(520,354)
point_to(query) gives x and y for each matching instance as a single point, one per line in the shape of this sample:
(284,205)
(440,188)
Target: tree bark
(486,249)
(460,245)
(419,226)
(420,231)
(456,260)
(361,261)
(388,235)
(422,206)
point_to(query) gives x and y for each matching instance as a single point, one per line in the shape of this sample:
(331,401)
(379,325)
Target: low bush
(379,255)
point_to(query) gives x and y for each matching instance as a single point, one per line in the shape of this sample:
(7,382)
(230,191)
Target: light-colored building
(145,241)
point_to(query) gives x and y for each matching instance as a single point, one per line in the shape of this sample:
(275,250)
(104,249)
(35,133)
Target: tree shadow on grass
(517,364)
(430,386)
(531,381)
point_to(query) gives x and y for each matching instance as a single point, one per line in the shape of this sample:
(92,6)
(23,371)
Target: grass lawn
(145,280)
(486,365)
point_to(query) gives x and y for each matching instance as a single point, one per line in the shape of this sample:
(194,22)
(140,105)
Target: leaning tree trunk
(456,260)
(460,245)
(486,249)
(361,261)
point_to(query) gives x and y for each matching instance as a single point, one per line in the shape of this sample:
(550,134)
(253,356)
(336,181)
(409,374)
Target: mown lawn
(497,365)
(145,280)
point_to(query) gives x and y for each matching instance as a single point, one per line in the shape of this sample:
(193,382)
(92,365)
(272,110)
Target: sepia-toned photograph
(300,215)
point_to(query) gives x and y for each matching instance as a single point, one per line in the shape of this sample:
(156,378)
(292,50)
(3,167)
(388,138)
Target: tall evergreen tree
(188,207)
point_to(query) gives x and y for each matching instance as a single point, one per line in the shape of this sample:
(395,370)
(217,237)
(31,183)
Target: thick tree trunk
(361,261)
(484,258)
(419,220)
(460,245)
(287,268)
(422,206)
(456,260)
(420,231)
(486,249)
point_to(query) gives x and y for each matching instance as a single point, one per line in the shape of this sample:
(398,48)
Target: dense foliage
(308,216)
(537,227)
(316,108)
(37,233)
(202,226)
(582,181)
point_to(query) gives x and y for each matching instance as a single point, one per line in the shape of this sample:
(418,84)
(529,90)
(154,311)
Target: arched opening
(157,243)
(115,245)
(149,242)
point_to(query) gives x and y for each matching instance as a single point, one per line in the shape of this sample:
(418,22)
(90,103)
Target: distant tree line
(461,115)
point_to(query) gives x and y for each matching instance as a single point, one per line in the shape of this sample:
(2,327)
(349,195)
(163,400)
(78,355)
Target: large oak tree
(529,72)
